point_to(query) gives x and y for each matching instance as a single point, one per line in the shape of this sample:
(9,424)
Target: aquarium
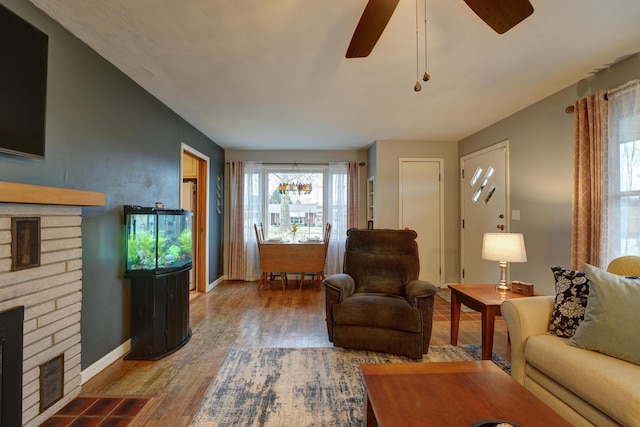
(157,240)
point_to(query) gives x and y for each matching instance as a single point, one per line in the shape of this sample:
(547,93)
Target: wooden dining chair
(260,235)
(267,276)
(319,275)
(261,231)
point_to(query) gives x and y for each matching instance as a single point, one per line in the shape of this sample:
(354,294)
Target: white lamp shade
(507,247)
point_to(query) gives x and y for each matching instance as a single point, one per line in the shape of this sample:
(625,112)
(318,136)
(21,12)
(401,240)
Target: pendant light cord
(426,76)
(425,35)
(417,86)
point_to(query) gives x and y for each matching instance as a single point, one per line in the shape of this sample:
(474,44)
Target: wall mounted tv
(23,86)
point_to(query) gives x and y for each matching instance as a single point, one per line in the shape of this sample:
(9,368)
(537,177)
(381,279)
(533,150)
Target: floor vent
(51,382)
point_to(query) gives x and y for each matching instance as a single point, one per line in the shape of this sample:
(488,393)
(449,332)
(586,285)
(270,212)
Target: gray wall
(541,141)
(105,133)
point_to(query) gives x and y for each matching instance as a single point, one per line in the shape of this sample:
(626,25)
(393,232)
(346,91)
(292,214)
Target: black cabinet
(159,314)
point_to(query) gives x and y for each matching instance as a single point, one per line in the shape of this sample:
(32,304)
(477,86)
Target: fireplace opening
(11,366)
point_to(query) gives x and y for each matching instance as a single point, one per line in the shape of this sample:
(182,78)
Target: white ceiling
(272,74)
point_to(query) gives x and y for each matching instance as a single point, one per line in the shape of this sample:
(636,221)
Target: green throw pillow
(611,322)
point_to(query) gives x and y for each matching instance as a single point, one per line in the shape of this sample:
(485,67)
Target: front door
(484,204)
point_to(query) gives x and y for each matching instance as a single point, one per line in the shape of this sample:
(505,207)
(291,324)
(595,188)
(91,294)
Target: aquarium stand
(159,313)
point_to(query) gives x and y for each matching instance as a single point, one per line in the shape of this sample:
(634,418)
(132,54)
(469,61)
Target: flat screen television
(23,86)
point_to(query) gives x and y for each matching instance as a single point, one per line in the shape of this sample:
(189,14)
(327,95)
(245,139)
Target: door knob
(500,227)
(501,216)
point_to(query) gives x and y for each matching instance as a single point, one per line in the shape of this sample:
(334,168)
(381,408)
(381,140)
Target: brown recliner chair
(378,303)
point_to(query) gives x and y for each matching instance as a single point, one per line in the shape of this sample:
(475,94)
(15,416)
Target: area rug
(300,386)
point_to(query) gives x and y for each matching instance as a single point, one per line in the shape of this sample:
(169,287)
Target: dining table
(283,256)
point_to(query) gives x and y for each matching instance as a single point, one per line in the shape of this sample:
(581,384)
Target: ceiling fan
(501,15)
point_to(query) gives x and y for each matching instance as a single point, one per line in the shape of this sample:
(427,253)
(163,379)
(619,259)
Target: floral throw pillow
(572,291)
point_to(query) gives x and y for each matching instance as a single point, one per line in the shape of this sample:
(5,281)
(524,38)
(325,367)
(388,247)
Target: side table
(483,298)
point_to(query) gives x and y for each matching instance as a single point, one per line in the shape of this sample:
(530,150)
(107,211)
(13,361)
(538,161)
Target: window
(279,197)
(295,198)
(622,174)
(628,190)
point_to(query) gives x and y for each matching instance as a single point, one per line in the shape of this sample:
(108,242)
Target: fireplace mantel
(11,192)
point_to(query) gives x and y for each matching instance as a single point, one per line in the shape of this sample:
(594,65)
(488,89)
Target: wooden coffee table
(485,299)
(449,394)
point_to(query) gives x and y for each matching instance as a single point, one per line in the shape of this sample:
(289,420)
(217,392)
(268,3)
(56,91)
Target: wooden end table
(483,298)
(449,394)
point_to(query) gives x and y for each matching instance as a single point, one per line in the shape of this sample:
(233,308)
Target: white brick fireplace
(50,292)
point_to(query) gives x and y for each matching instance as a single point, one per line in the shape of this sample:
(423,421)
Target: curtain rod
(570,109)
(628,86)
(301,164)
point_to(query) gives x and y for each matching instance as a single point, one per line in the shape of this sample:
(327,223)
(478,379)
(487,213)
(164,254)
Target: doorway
(194,196)
(421,209)
(485,206)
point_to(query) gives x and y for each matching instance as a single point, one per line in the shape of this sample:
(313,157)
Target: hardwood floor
(237,314)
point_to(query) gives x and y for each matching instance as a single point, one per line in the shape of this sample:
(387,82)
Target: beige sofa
(585,387)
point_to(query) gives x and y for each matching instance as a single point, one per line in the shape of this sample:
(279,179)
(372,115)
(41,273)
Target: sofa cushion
(611,320)
(572,290)
(609,384)
(378,311)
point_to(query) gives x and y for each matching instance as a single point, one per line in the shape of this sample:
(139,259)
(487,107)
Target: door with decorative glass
(484,204)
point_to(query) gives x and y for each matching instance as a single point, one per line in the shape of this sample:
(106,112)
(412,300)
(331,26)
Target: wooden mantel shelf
(11,192)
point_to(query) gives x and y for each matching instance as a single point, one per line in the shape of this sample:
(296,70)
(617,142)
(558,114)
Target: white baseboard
(216,282)
(107,360)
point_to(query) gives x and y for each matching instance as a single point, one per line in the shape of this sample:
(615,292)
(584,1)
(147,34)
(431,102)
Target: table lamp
(504,248)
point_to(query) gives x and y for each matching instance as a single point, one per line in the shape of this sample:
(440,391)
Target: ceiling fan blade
(501,15)
(372,23)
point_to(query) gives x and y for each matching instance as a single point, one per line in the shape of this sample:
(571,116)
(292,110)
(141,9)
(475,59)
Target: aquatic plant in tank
(157,240)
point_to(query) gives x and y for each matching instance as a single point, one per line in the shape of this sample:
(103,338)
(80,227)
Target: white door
(484,204)
(421,209)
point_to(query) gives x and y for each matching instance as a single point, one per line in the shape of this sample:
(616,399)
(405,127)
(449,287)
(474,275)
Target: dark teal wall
(105,133)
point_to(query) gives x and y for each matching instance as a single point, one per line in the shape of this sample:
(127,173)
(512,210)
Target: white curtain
(621,216)
(339,210)
(253,195)
(245,211)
